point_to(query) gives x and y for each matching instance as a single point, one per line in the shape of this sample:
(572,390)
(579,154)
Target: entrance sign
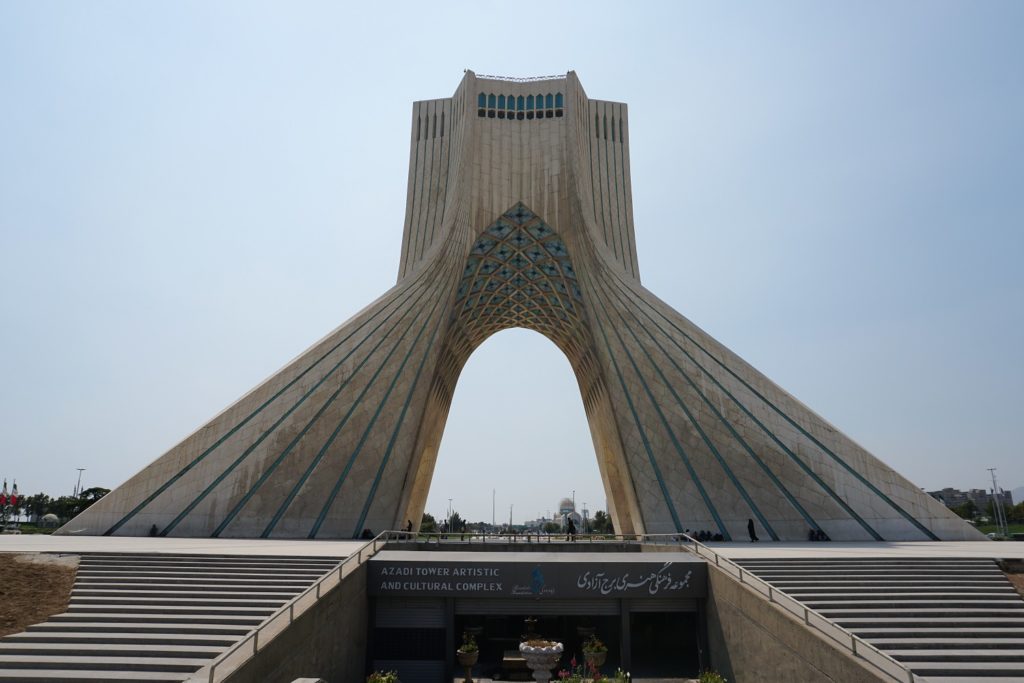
(537,575)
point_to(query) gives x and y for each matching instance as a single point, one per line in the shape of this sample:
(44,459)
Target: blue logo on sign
(537,582)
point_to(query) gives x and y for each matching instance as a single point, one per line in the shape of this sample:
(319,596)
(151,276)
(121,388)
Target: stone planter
(541,658)
(595,659)
(466,661)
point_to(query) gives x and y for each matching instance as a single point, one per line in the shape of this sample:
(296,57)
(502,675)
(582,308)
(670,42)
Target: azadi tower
(519,214)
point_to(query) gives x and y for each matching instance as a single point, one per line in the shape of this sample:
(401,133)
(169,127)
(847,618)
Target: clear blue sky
(191,193)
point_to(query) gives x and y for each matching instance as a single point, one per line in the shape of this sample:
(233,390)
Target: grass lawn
(989,528)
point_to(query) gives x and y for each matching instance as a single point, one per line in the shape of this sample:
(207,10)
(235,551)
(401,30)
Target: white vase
(541,659)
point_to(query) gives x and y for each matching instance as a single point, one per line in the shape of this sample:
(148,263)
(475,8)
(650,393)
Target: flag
(3,495)
(13,498)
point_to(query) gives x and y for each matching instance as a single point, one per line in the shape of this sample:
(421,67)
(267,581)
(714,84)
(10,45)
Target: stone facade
(519,214)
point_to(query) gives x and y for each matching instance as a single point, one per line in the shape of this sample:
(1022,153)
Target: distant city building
(952,498)
(539,522)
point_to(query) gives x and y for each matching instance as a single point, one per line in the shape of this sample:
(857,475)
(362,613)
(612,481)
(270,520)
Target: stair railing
(843,638)
(246,648)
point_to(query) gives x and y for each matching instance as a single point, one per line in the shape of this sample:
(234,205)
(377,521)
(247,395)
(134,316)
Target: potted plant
(383,677)
(468,653)
(594,652)
(541,656)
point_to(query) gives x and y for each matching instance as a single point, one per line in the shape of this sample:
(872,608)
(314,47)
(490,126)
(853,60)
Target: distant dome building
(567,511)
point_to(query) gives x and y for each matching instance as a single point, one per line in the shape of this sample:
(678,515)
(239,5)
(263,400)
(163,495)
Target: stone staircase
(949,620)
(154,617)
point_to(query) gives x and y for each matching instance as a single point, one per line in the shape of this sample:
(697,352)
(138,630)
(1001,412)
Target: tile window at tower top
(519,108)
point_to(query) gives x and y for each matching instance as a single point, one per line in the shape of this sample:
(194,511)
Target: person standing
(750,530)
(571,529)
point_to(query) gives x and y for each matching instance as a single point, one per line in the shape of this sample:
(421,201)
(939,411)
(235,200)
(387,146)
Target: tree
(966,510)
(602,523)
(38,505)
(89,496)
(456,523)
(551,527)
(1016,513)
(428,524)
(65,507)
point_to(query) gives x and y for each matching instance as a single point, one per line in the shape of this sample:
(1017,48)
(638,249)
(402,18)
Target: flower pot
(466,661)
(595,659)
(541,658)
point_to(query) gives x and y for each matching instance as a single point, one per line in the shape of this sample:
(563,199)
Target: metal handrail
(846,640)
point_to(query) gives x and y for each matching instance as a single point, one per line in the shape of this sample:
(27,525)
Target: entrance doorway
(499,636)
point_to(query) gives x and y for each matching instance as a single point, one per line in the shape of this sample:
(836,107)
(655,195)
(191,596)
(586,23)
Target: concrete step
(930,593)
(881,578)
(823,605)
(866,560)
(974,670)
(962,622)
(104,663)
(155,639)
(154,618)
(151,560)
(73,676)
(157,618)
(133,627)
(873,632)
(887,583)
(164,609)
(265,587)
(199,569)
(213,573)
(979,655)
(891,571)
(953,620)
(927,614)
(204,594)
(889,644)
(203,560)
(119,649)
(190,600)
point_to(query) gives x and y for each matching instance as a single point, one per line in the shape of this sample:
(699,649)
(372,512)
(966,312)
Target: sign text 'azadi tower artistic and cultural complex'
(519,214)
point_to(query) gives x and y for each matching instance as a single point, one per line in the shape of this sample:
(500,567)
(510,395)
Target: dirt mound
(1018,582)
(33,587)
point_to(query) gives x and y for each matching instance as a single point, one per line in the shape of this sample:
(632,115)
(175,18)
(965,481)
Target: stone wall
(751,640)
(328,641)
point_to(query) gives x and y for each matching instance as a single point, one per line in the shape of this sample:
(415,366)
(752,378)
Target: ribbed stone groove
(155,617)
(520,223)
(947,619)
